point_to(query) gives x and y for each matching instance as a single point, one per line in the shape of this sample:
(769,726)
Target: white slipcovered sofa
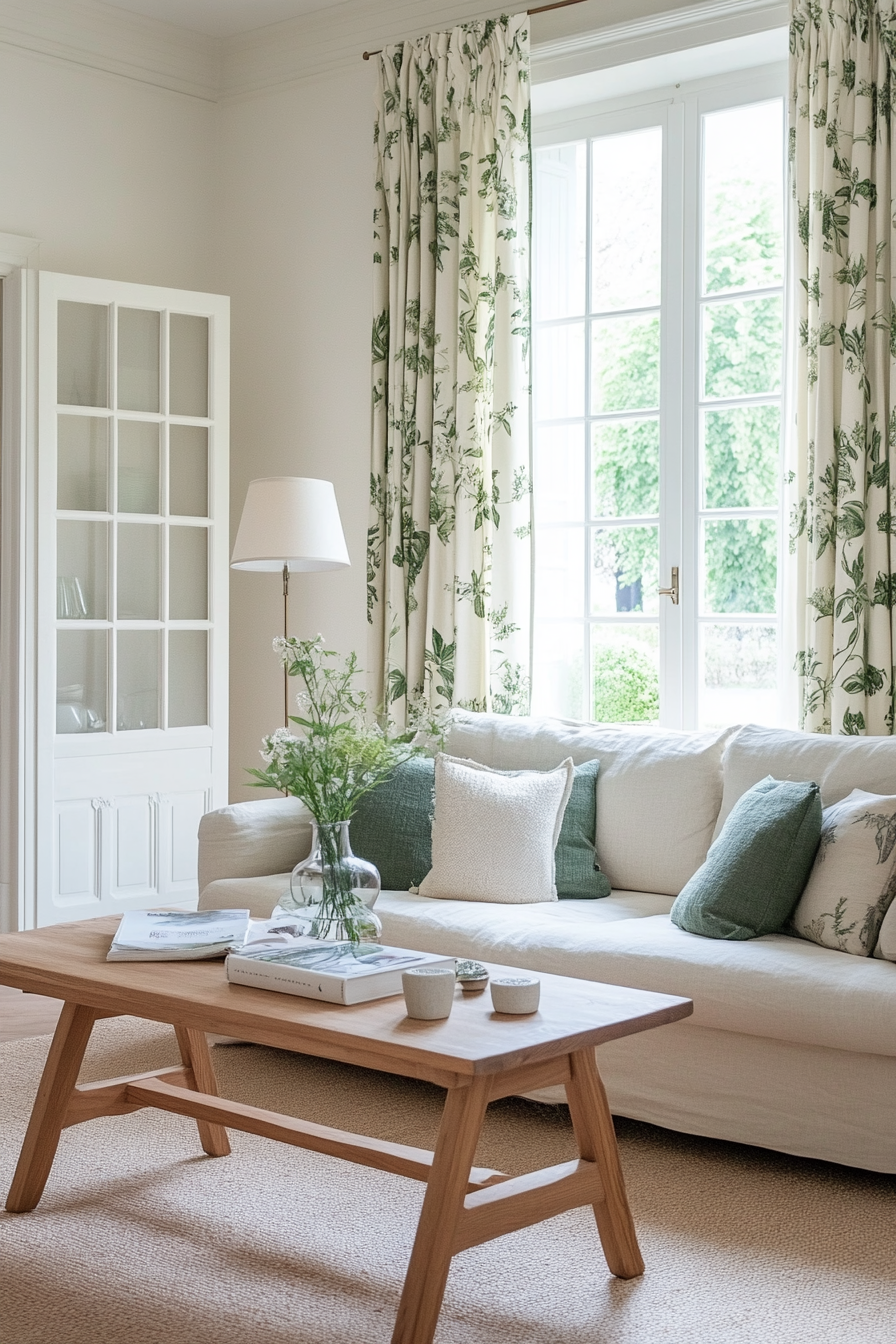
(791,1046)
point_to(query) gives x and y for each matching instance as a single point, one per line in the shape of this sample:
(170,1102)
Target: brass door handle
(674,592)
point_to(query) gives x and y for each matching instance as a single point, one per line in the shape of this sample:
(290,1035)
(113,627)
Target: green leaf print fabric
(449,538)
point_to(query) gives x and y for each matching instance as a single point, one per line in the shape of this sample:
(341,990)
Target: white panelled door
(131,591)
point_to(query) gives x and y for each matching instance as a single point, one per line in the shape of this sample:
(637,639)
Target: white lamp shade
(292,521)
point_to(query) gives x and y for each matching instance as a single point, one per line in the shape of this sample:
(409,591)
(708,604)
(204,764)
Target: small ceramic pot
(471,976)
(428,992)
(516,994)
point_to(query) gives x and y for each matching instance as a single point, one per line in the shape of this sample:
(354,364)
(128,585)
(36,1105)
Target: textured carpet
(140,1239)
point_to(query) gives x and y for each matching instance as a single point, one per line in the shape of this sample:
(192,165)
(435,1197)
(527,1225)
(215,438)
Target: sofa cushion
(658,791)
(258,895)
(494,834)
(775,986)
(757,868)
(837,764)
(392,825)
(246,839)
(579,876)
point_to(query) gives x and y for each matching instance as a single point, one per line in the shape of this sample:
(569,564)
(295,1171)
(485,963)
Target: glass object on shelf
(81,570)
(558,669)
(742,345)
(188,574)
(82,463)
(82,358)
(333,892)
(188,365)
(740,565)
(738,675)
(626,673)
(560,572)
(138,359)
(626,219)
(625,364)
(188,470)
(560,386)
(559,184)
(743,197)
(625,570)
(187,678)
(81,681)
(138,571)
(138,680)
(741,457)
(625,468)
(138,466)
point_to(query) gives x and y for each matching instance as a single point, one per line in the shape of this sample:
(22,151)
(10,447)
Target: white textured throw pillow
(494,835)
(853,879)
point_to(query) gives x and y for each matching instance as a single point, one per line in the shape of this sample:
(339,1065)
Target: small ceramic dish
(471,976)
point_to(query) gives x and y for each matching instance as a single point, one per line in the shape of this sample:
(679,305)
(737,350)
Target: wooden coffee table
(477,1055)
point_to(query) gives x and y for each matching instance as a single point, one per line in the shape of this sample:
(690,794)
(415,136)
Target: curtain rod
(541,9)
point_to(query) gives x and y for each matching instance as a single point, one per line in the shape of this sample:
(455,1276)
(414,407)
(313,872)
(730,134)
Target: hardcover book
(331,972)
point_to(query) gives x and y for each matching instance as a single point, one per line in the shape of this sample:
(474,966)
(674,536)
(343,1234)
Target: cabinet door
(132,581)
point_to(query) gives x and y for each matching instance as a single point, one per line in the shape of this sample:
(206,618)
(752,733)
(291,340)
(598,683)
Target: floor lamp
(289,523)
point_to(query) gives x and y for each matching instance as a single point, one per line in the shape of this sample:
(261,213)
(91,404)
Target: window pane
(138,466)
(743,200)
(82,459)
(188,574)
(81,571)
(625,364)
(740,565)
(559,665)
(625,465)
(560,386)
(559,235)
(80,681)
(188,365)
(741,457)
(625,574)
(138,572)
(626,674)
(626,220)
(739,675)
(188,470)
(560,571)
(187,678)
(742,347)
(138,679)
(560,474)
(138,359)
(82,360)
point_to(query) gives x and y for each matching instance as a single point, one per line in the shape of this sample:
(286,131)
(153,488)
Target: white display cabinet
(131,583)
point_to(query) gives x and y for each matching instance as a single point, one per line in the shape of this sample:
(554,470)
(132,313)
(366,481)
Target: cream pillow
(494,835)
(853,879)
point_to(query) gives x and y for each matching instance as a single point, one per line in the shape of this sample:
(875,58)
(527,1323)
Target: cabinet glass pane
(188,371)
(188,573)
(626,671)
(138,572)
(81,681)
(625,573)
(82,463)
(187,678)
(82,571)
(82,361)
(138,359)
(138,466)
(188,470)
(138,679)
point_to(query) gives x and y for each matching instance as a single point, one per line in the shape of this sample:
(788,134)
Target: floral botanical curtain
(448,554)
(843,103)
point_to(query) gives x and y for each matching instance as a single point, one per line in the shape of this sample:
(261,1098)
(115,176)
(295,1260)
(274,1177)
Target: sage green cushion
(756,869)
(392,829)
(578,876)
(392,825)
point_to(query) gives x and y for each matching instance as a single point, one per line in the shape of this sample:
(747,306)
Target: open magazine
(178,935)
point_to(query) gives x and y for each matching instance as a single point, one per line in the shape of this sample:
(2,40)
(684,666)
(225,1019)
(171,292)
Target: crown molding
(103,37)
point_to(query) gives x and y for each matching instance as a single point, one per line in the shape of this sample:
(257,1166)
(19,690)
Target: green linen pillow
(578,875)
(757,867)
(392,825)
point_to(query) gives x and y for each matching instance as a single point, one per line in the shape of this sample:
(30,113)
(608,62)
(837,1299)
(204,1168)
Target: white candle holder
(516,994)
(429,992)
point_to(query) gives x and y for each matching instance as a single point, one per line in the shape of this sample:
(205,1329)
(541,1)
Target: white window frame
(678,111)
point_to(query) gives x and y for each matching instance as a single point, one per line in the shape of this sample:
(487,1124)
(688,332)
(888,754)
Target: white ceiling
(223,18)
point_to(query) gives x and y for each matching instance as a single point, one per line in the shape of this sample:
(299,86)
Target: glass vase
(333,891)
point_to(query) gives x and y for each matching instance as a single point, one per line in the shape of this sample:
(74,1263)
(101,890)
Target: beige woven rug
(140,1239)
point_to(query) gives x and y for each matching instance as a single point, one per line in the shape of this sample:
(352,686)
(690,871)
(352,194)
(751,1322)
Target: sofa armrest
(253,839)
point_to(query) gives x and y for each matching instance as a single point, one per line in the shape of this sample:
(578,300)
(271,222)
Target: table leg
(194,1053)
(424,1285)
(50,1106)
(596,1138)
